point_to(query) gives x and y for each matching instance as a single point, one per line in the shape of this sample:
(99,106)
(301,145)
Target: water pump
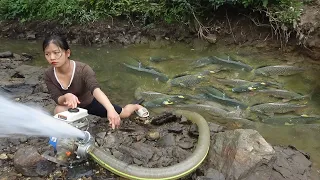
(69,150)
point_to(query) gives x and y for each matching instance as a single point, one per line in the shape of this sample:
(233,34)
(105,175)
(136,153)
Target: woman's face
(55,55)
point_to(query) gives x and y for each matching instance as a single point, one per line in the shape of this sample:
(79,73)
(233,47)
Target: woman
(73,83)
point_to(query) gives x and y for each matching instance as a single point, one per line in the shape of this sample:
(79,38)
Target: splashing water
(20,119)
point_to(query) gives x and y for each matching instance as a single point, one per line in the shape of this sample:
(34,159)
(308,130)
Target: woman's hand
(114,119)
(71,100)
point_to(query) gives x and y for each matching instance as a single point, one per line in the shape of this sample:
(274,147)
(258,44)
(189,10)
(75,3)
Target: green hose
(172,172)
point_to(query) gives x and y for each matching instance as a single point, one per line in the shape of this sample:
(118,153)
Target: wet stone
(137,161)
(164,118)
(214,174)
(184,120)
(193,131)
(176,128)
(215,128)
(110,141)
(101,134)
(167,140)
(153,135)
(185,145)
(3,156)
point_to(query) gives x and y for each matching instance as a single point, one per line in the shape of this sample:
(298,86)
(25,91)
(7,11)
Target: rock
(29,162)
(193,131)
(167,140)
(292,164)
(153,135)
(214,174)
(101,134)
(175,128)
(237,153)
(200,45)
(164,118)
(110,141)
(215,128)
(211,38)
(3,156)
(6,54)
(30,35)
(185,145)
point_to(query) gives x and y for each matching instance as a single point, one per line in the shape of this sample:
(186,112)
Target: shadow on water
(120,83)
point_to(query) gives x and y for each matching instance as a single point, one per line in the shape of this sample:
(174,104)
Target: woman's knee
(59,109)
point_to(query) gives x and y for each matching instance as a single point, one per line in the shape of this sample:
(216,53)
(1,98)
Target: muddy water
(119,82)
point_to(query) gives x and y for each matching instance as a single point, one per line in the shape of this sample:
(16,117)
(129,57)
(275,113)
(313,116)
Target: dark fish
(227,101)
(186,81)
(212,90)
(231,64)
(233,82)
(158,59)
(216,111)
(275,108)
(202,62)
(162,77)
(164,101)
(251,87)
(148,95)
(280,70)
(282,94)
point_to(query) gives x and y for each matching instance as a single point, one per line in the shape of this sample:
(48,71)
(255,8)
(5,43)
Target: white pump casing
(70,117)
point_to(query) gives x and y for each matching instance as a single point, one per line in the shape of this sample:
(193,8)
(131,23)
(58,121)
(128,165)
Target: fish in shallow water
(158,59)
(253,86)
(226,101)
(284,94)
(162,77)
(202,62)
(280,70)
(187,80)
(215,111)
(231,64)
(165,101)
(270,108)
(233,82)
(148,95)
(212,90)
(291,120)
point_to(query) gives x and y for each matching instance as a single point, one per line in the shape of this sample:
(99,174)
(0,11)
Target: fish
(233,82)
(291,120)
(158,59)
(162,77)
(227,101)
(252,87)
(284,94)
(279,70)
(231,64)
(202,62)
(164,101)
(216,111)
(148,95)
(271,108)
(187,80)
(212,90)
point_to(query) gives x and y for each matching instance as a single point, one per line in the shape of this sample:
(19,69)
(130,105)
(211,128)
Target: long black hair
(57,40)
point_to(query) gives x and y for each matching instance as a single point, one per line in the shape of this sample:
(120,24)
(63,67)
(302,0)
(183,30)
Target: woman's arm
(113,116)
(68,99)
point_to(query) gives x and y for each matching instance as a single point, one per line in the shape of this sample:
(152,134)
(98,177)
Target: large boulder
(29,162)
(238,153)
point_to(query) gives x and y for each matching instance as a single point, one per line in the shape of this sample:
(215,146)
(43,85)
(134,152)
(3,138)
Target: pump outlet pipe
(172,172)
